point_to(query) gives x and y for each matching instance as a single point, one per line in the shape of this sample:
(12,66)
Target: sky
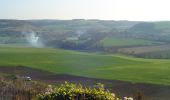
(134,10)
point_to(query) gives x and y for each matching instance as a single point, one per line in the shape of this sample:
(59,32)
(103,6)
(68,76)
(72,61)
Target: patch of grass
(88,64)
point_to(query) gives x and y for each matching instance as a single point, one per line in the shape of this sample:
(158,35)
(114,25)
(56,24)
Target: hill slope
(88,64)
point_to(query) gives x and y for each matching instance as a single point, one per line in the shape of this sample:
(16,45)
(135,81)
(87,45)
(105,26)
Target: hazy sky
(148,10)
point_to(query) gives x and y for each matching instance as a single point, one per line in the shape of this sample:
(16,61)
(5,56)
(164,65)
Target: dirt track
(121,88)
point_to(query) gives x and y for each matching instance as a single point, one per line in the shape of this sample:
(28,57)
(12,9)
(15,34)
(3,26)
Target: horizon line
(86,19)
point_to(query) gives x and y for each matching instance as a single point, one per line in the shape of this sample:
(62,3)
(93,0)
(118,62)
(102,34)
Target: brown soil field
(120,88)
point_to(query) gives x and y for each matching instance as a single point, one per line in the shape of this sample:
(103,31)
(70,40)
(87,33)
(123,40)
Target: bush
(69,91)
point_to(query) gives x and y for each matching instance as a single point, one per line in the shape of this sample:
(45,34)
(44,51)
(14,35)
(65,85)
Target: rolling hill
(114,67)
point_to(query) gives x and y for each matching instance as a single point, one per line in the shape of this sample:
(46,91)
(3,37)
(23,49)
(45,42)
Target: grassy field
(88,64)
(145,49)
(110,42)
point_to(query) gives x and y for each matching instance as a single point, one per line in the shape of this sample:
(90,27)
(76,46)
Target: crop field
(115,67)
(110,42)
(157,55)
(145,49)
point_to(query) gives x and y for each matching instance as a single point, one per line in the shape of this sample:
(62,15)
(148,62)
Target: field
(111,42)
(88,64)
(145,49)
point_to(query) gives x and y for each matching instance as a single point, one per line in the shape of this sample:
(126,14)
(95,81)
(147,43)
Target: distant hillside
(80,34)
(60,31)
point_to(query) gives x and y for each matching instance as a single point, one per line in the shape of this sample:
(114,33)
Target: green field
(110,42)
(88,64)
(145,49)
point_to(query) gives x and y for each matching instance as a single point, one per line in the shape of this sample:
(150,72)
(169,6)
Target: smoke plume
(33,39)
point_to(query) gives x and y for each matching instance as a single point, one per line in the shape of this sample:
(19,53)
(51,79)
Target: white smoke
(80,32)
(33,39)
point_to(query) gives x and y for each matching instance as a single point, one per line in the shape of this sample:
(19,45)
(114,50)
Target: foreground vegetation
(88,64)
(18,88)
(69,91)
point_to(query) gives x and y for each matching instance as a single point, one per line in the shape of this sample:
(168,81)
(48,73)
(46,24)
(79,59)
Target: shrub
(69,91)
